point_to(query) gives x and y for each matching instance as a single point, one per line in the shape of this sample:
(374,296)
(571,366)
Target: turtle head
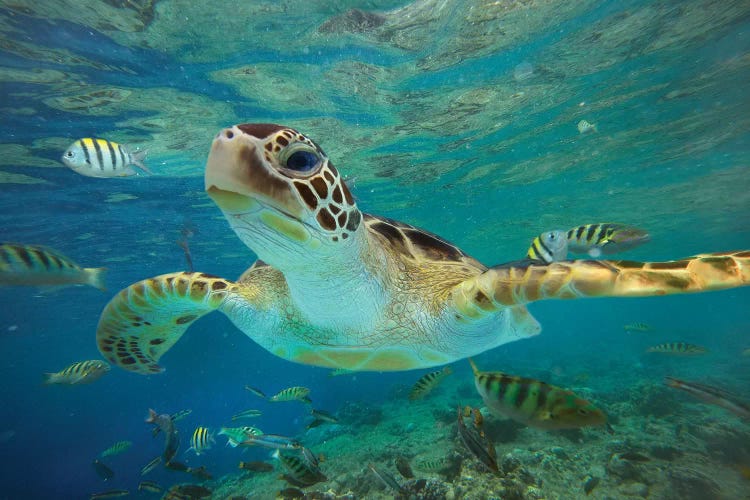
(279,191)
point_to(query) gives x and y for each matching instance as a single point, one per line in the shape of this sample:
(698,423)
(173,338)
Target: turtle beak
(238,176)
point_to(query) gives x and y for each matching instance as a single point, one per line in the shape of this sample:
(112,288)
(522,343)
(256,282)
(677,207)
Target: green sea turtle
(339,288)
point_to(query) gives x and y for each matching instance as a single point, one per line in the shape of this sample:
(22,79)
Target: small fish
(535,403)
(292,394)
(178,466)
(236,435)
(324,415)
(478,418)
(432,464)
(637,327)
(340,371)
(150,466)
(584,127)
(634,456)
(188,256)
(605,238)
(180,415)
(175,418)
(201,440)
(746,352)
(102,470)
(477,443)
(36,265)
(388,480)
(82,372)
(548,247)
(300,471)
(150,486)
(172,441)
(117,448)
(256,466)
(428,382)
(403,467)
(102,158)
(315,423)
(187,491)
(711,395)
(290,493)
(257,392)
(110,494)
(590,483)
(200,472)
(678,349)
(309,457)
(273,441)
(247,414)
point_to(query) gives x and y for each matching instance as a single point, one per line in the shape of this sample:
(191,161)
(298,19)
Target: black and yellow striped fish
(605,238)
(102,158)
(82,372)
(37,265)
(150,486)
(301,472)
(292,394)
(550,246)
(535,403)
(678,349)
(428,382)
(201,440)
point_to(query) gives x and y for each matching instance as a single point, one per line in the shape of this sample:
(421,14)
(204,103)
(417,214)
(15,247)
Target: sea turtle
(338,288)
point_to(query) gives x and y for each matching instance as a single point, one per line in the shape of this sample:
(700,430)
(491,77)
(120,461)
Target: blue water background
(59,430)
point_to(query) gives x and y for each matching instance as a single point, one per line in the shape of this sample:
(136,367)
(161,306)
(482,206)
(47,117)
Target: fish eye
(302,161)
(69,154)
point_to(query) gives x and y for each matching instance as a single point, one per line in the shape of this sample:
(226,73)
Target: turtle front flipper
(144,320)
(523,282)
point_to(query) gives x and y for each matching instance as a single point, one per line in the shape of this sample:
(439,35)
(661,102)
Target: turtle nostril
(229,134)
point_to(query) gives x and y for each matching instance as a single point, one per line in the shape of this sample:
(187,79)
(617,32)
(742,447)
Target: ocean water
(459,117)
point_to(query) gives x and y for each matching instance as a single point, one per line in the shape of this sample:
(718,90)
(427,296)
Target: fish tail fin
(49,378)
(137,157)
(95,277)
(473,367)
(151,418)
(307,400)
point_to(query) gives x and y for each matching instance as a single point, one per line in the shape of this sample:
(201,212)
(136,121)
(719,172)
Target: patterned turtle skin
(338,288)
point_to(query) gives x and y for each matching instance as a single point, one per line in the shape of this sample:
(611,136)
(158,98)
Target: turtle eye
(583,412)
(302,161)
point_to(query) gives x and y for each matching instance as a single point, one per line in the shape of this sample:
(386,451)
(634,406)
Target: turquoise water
(458,117)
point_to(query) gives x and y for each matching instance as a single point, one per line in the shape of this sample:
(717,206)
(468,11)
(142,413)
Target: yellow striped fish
(82,372)
(201,440)
(38,265)
(678,349)
(637,327)
(292,394)
(150,486)
(117,448)
(102,158)
(584,127)
(550,246)
(605,238)
(534,403)
(428,382)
